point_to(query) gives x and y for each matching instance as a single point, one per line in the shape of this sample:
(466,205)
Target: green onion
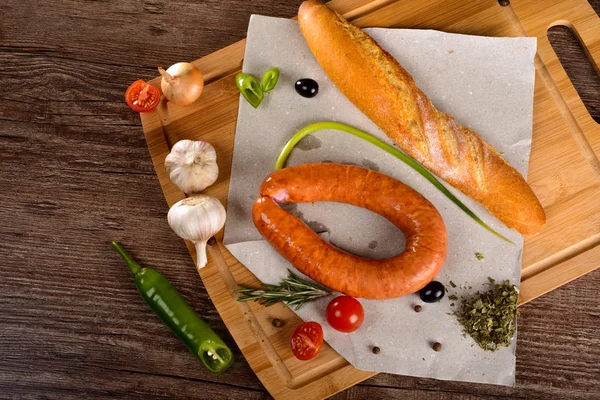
(307,130)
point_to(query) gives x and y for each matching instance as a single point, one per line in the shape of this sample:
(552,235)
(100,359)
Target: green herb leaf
(452,284)
(489,318)
(292,291)
(453,297)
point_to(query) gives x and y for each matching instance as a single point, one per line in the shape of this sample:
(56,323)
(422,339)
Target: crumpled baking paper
(487,84)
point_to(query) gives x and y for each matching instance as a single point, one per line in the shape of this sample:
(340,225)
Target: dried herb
(292,291)
(489,318)
(453,297)
(479,256)
(452,284)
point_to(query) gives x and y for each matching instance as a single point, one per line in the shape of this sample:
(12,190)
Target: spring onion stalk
(307,130)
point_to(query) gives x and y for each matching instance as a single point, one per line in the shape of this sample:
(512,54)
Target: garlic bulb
(192,165)
(197,219)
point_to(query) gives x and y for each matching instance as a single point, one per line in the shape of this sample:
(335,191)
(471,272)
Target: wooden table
(75,174)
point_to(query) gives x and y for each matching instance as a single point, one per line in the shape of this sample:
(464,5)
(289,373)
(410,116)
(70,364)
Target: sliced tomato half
(142,97)
(307,340)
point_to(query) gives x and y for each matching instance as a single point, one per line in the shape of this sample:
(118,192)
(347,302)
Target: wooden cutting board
(564,171)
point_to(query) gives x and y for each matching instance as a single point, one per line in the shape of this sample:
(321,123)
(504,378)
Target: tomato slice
(345,314)
(307,340)
(142,97)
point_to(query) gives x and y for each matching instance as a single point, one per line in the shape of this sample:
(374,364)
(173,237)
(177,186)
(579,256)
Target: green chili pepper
(250,89)
(172,309)
(307,130)
(269,79)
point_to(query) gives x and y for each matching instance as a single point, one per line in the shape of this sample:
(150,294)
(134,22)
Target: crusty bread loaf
(376,83)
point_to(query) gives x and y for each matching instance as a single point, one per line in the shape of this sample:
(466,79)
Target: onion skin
(182,83)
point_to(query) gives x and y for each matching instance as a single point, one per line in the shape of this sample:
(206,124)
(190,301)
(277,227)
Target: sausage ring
(413,214)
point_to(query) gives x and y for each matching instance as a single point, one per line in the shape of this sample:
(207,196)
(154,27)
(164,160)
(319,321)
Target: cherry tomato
(345,314)
(142,97)
(307,340)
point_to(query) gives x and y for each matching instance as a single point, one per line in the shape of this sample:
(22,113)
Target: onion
(182,83)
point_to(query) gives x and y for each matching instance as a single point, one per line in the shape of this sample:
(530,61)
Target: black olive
(307,87)
(433,292)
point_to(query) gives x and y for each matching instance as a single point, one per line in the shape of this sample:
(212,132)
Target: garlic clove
(192,165)
(197,218)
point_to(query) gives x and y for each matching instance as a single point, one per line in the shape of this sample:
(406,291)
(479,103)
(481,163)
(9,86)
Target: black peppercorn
(277,323)
(418,308)
(437,346)
(376,350)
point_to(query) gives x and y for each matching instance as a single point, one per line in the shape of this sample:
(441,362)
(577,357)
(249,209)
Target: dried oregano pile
(490,317)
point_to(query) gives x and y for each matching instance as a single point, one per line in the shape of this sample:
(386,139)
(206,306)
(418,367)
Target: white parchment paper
(487,84)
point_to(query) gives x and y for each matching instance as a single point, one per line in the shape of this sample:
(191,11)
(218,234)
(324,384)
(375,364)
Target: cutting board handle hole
(578,64)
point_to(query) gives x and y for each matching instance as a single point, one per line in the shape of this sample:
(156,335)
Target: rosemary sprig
(292,291)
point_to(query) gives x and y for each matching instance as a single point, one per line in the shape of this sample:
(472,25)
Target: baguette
(378,86)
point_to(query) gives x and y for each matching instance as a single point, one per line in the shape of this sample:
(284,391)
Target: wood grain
(75,173)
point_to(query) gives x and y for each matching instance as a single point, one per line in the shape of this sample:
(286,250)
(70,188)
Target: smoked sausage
(413,214)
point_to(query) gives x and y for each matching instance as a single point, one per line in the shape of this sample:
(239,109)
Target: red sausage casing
(413,214)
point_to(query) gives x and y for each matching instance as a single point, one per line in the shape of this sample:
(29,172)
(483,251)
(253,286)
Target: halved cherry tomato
(345,314)
(307,340)
(142,97)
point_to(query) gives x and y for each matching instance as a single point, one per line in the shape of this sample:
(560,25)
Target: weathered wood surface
(75,174)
